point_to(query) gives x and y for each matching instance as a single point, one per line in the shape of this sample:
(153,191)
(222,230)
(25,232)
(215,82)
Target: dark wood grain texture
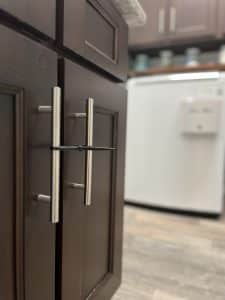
(176,22)
(156,27)
(221,18)
(40,14)
(98,33)
(12,193)
(193,19)
(79,258)
(33,69)
(92,236)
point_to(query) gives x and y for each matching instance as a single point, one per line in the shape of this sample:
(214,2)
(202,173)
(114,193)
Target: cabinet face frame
(18,173)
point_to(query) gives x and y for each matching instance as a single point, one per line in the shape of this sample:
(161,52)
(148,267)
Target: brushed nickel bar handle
(89,154)
(161,20)
(44,109)
(56,139)
(42,198)
(173,19)
(74,185)
(66,148)
(56,148)
(78,115)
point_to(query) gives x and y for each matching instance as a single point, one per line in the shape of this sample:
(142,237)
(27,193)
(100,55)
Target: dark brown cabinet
(176,21)
(98,33)
(192,19)
(39,14)
(92,235)
(29,77)
(153,32)
(7,207)
(78,254)
(221,18)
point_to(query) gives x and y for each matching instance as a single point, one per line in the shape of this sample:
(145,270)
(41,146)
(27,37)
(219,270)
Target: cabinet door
(155,29)
(92,235)
(221,18)
(31,73)
(193,19)
(40,14)
(95,30)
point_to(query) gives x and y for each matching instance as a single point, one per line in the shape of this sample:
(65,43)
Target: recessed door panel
(98,33)
(92,235)
(11,192)
(98,217)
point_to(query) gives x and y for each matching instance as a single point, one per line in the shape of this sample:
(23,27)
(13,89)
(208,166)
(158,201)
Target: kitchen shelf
(177,69)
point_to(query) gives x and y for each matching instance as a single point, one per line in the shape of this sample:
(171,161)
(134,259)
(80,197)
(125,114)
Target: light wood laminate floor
(172,257)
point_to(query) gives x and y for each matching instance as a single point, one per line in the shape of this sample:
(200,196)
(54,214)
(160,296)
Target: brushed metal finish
(44,109)
(43,198)
(65,148)
(162,18)
(89,154)
(56,136)
(75,185)
(173,19)
(78,115)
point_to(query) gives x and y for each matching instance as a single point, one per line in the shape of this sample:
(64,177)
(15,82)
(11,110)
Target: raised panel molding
(16,233)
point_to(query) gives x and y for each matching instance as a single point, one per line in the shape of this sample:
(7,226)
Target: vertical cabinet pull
(56,149)
(89,153)
(173,17)
(56,139)
(161,24)
(55,109)
(88,148)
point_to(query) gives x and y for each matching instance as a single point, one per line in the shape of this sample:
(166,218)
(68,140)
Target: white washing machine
(176,141)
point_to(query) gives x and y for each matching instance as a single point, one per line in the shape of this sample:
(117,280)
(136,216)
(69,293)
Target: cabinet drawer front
(39,14)
(100,34)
